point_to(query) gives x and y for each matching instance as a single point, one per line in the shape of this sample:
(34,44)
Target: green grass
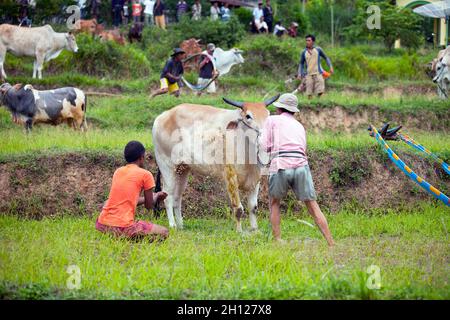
(209,260)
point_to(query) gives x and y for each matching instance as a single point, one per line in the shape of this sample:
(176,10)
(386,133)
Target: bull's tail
(156,208)
(84,108)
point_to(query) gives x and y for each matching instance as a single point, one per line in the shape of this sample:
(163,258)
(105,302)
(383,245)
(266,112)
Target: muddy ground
(76,183)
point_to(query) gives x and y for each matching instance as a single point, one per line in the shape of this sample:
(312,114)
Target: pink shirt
(283,133)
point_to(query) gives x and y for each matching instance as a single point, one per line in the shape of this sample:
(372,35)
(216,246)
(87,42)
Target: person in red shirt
(117,215)
(136,9)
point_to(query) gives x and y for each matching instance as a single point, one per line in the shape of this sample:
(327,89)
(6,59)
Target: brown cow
(91,27)
(112,35)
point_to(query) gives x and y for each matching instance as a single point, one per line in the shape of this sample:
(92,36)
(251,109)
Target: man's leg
(320,85)
(309,84)
(275,217)
(320,220)
(164,88)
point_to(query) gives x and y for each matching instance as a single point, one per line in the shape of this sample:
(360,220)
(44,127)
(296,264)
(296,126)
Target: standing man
(215,10)
(136,9)
(118,213)
(117,6)
(158,14)
(182,7)
(171,74)
(268,15)
(285,139)
(207,69)
(197,10)
(310,68)
(148,12)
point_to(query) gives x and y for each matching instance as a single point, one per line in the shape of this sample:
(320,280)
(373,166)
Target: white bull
(226,59)
(442,77)
(41,42)
(227,149)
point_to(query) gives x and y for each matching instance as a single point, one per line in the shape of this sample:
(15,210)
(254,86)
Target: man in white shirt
(258,12)
(148,11)
(215,10)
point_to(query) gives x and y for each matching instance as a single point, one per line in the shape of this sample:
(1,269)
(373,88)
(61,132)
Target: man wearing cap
(284,138)
(310,68)
(207,70)
(171,74)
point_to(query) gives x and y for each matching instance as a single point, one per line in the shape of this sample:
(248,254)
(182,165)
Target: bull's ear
(237,104)
(268,102)
(17,86)
(232,125)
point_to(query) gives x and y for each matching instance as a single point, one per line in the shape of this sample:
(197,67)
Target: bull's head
(3,89)
(252,114)
(442,72)
(238,55)
(71,43)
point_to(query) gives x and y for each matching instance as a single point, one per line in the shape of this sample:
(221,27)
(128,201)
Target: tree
(396,23)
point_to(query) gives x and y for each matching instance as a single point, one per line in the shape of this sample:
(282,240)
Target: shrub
(223,34)
(102,59)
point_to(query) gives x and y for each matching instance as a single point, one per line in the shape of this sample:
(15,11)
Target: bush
(223,34)
(244,15)
(102,59)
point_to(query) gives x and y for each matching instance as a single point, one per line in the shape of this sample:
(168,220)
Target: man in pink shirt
(285,139)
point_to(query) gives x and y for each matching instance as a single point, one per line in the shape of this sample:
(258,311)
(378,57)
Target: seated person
(292,31)
(279,30)
(117,215)
(261,25)
(171,74)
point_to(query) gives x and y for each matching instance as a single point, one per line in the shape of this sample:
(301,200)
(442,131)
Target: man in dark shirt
(158,14)
(268,15)
(171,74)
(207,70)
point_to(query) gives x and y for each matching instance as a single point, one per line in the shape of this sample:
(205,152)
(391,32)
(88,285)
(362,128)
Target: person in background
(261,25)
(310,67)
(136,11)
(117,6)
(95,9)
(182,7)
(197,10)
(293,29)
(258,12)
(118,212)
(268,15)
(207,69)
(148,12)
(125,12)
(171,74)
(279,30)
(225,12)
(158,14)
(285,139)
(215,11)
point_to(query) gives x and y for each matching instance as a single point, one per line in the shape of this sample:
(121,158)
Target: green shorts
(298,179)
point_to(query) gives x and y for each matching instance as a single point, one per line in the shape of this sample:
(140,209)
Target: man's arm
(150,198)
(266,136)
(301,66)
(327,59)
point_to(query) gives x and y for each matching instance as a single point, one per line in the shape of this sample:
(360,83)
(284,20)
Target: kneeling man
(117,216)
(285,139)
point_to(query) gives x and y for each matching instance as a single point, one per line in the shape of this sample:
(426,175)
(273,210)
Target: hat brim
(175,53)
(286,107)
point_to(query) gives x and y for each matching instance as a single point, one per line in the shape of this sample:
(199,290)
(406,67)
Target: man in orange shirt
(118,211)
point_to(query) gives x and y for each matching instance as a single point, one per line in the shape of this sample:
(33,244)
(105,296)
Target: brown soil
(77,184)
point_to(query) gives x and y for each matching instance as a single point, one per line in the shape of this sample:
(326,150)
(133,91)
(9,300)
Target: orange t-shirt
(126,187)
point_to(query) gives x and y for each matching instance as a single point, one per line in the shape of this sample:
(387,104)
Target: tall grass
(209,260)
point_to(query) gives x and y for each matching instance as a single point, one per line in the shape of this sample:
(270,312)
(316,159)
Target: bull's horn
(237,104)
(268,102)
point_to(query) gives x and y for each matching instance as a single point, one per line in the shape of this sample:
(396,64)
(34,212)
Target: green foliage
(349,171)
(289,11)
(223,34)
(100,59)
(244,15)
(396,23)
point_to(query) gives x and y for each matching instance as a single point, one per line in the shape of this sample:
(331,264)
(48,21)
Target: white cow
(442,76)
(226,59)
(41,42)
(205,140)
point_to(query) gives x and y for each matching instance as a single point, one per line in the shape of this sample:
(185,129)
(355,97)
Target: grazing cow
(135,32)
(112,35)
(182,146)
(28,105)
(192,49)
(226,59)
(90,26)
(41,42)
